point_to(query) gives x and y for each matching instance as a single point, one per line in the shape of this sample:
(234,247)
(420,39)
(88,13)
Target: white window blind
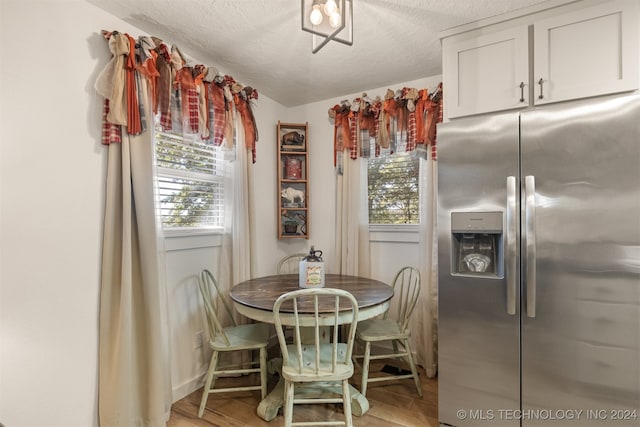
(190,183)
(393,184)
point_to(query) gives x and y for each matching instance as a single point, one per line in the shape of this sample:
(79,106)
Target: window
(393,189)
(189,179)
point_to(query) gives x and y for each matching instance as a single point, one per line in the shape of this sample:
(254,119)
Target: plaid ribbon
(189,95)
(217,122)
(110,132)
(411,131)
(165,87)
(440,111)
(192,110)
(165,120)
(353,135)
(375,111)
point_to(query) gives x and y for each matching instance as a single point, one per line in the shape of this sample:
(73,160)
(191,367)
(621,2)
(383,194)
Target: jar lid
(313,255)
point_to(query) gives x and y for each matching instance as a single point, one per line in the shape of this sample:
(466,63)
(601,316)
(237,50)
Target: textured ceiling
(261,44)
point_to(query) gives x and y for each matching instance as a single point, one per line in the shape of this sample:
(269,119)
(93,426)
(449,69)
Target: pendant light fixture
(327,20)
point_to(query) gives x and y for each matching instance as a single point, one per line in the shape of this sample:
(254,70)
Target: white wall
(51,185)
(50,241)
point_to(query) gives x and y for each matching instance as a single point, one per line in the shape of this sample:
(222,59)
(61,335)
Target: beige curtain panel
(134,374)
(147,81)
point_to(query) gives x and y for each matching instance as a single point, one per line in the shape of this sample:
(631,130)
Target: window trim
(192,241)
(394,233)
(186,231)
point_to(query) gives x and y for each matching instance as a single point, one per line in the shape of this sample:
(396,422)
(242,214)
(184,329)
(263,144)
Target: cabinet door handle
(540,83)
(521,91)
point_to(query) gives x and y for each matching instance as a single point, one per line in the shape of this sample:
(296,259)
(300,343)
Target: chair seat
(380,330)
(342,370)
(251,336)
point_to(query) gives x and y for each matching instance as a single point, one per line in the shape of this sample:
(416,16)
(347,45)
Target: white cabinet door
(487,73)
(592,51)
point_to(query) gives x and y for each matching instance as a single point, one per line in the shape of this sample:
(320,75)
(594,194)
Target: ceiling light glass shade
(329,7)
(337,26)
(316,15)
(335,19)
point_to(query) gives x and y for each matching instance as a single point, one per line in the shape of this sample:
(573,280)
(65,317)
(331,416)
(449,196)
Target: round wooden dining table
(254,299)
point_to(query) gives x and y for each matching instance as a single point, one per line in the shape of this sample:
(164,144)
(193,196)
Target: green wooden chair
(253,336)
(406,287)
(316,371)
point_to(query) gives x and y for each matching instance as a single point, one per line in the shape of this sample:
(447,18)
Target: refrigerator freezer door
(478,347)
(581,351)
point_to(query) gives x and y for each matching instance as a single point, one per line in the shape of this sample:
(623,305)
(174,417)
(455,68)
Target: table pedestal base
(270,405)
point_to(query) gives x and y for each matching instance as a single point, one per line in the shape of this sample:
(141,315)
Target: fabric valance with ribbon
(405,120)
(188,98)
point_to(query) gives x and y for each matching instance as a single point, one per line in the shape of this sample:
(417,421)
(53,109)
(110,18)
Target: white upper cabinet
(579,50)
(487,73)
(588,52)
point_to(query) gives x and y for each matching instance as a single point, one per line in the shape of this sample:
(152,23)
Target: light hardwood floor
(392,404)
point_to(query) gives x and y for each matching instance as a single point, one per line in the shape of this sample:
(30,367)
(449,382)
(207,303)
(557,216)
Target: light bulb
(316,15)
(329,7)
(335,19)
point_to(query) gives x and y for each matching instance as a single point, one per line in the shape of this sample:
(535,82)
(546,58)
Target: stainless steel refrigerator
(539,267)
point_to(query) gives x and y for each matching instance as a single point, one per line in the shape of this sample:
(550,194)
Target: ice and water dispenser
(477,244)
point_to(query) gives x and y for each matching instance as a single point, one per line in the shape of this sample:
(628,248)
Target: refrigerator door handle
(530,245)
(511,244)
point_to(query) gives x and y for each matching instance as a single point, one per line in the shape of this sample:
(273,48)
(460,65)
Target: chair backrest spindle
(321,310)
(334,355)
(406,287)
(406,290)
(290,264)
(206,282)
(316,333)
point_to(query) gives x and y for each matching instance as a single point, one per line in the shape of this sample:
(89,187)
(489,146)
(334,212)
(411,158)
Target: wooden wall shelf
(293,180)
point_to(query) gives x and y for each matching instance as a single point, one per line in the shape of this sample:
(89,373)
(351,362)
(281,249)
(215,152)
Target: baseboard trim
(186,388)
